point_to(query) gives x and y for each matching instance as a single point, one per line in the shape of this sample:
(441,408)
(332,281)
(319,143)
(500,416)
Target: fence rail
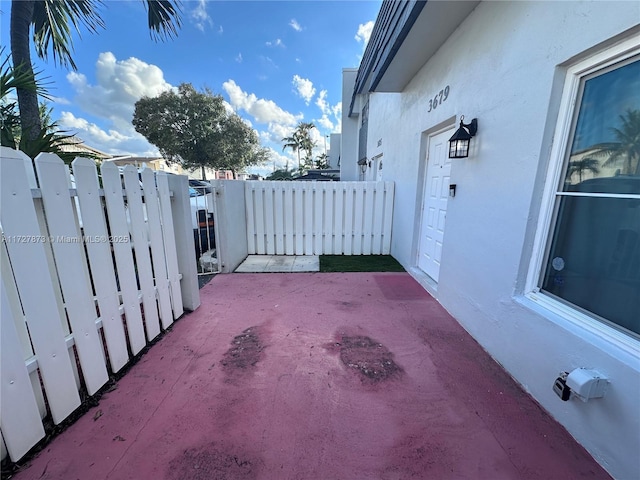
(90,274)
(319,218)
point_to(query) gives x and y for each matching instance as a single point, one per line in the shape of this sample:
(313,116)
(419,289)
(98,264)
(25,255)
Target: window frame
(563,133)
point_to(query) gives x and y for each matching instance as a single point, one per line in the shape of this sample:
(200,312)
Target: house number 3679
(440,97)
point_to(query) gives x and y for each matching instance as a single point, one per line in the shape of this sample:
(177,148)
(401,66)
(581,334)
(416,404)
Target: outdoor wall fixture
(363,165)
(459,142)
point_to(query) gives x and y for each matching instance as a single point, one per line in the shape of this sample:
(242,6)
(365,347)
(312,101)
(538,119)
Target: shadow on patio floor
(315,376)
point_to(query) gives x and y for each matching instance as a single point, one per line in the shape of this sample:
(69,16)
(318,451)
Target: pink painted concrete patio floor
(340,376)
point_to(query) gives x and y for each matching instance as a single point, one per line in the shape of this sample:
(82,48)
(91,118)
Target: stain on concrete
(372,361)
(213,461)
(400,288)
(245,352)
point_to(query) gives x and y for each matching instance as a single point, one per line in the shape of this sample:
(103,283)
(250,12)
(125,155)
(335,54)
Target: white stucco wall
(349,137)
(504,65)
(334,150)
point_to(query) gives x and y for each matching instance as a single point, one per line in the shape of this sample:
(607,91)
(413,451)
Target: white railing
(319,218)
(90,274)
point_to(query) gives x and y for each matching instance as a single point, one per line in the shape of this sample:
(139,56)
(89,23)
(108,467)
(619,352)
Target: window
(592,256)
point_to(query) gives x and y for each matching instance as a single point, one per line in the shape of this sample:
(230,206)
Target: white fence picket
(387,218)
(259,214)
(307,202)
(19,412)
(157,246)
(358,218)
(57,242)
(289,226)
(338,222)
(139,234)
(278,211)
(68,250)
(251,222)
(170,253)
(298,220)
(26,247)
(270,241)
(125,266)
(367,224)
(318,204)
(332,218)
(94,225)
(349,212)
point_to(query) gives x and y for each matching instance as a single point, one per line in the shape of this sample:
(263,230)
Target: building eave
(406,34)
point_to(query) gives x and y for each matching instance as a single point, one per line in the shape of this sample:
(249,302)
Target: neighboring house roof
(406,34)
(75,144)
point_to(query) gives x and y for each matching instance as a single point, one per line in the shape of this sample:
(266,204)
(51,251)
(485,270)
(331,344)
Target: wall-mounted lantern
(363,165)
(459,142)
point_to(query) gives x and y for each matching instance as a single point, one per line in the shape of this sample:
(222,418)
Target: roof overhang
(406,35)
(435,24)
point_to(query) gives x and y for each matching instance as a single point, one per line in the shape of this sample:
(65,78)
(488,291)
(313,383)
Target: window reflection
(594,257)
(605,151)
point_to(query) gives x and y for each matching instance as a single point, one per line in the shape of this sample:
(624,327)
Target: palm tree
(627,147)
(304,132)
(49,139)
(52,21)
(585,164)
(294,143)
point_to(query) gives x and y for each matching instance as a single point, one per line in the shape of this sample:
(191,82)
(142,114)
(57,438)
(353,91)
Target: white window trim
(613,54)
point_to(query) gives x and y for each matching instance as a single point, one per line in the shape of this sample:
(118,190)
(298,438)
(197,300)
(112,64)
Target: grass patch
(359,263)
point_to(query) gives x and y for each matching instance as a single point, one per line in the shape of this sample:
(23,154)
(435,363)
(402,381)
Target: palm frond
(12,78)
(52,23)
(164,18)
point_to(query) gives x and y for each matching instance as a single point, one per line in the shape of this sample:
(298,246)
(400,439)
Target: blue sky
(275,62)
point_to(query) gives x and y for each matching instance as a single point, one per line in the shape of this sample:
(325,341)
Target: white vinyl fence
(91,273)
(319,218)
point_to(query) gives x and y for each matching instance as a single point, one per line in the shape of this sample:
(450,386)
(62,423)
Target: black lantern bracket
(460,141)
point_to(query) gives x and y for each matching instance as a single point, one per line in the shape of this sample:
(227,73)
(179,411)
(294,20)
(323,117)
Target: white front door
(434,204)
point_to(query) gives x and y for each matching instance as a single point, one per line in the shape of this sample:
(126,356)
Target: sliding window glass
(593,256)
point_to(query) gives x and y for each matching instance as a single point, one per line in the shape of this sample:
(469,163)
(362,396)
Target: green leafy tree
(240,146)
(322,161)
(50,22)
(195,130)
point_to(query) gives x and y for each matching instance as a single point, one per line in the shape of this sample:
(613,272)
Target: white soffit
(437,21)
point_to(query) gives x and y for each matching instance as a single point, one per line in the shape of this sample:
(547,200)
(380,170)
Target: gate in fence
(319,218)
(93,268)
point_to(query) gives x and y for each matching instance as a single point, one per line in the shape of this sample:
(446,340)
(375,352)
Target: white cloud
(337,110)
(60,100)
(304,88)
(364,32)
(295,25)
(119,85)
(220,30)
(325,123)
(263,111)
(276,43)
(117,142)
(321,102)
(239,58)
(200,17)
